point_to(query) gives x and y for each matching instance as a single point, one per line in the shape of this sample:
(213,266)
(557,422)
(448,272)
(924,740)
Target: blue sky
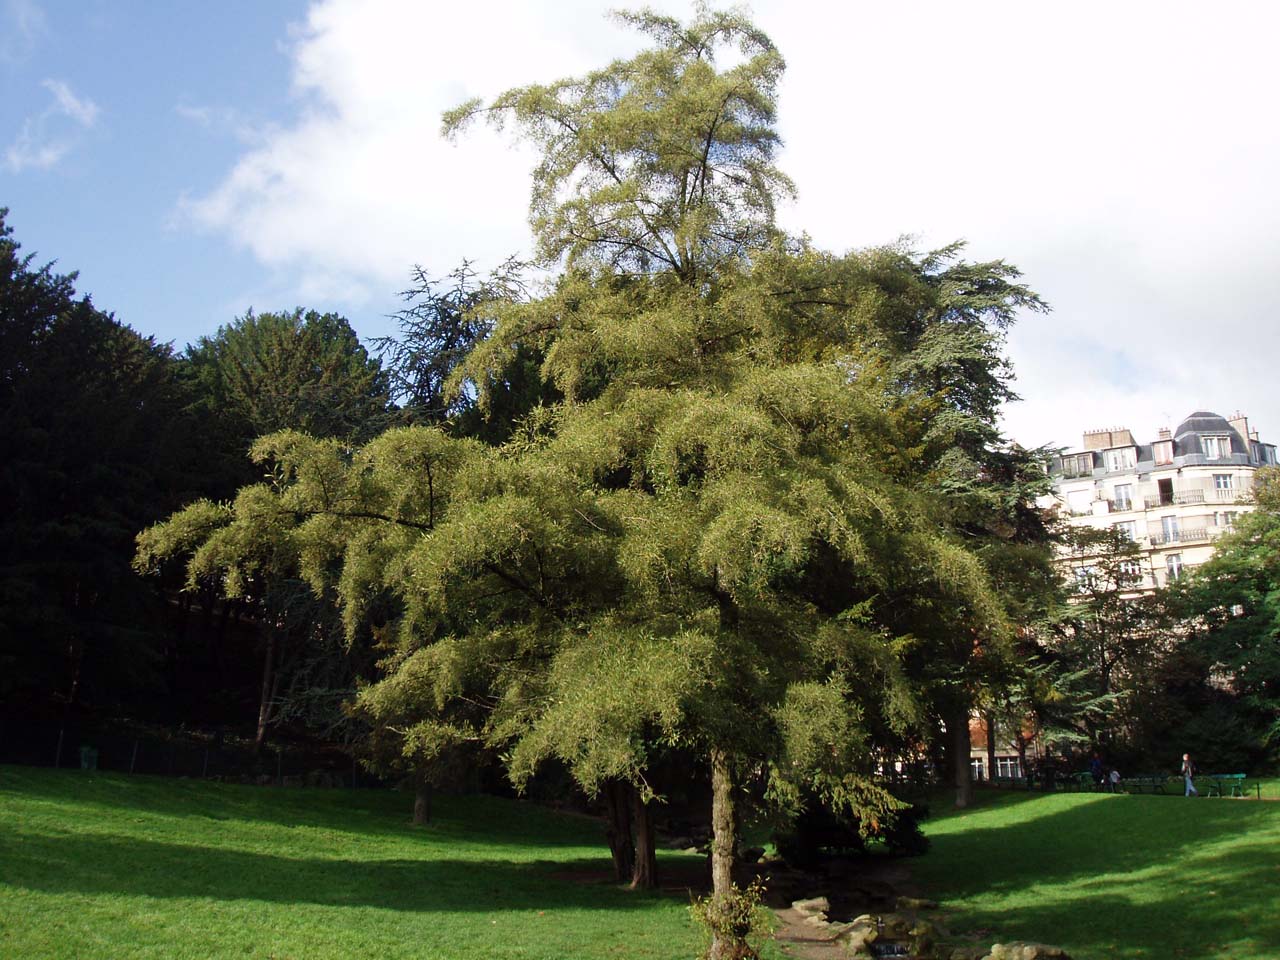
(194,160)
(169,82)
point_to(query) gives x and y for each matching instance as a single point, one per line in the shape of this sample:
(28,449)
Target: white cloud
(84,112)
(1119,154)
(44,140)
(24,23)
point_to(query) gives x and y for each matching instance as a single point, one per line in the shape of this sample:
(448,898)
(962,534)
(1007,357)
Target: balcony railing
(1163,538)
(1176,499)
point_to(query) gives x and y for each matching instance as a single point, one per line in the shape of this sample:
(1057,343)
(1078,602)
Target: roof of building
(1204,422)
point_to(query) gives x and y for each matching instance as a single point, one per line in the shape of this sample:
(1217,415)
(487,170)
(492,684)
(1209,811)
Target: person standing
(1188,776)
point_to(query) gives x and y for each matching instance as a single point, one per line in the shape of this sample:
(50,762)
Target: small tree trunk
(617,795)
(960,747)
(645,874)
(989,720)
(264,702)
(421,798)
(724,843)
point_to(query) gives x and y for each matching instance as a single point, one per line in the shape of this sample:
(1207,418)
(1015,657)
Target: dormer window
(1077,465)
(1216,448)
(1120,458)
(1162,450)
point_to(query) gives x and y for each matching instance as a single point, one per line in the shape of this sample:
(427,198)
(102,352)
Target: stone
(967,953)
(812,906)
(916,903)
(1026,950)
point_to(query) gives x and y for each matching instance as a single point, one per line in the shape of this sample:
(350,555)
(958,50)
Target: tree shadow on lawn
(1139,877)
(474,820)
(97,865)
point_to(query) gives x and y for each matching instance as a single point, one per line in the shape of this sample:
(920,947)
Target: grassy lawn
(102,865)
(1113,876)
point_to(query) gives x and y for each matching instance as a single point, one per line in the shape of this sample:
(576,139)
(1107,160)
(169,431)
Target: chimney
(1110,437)
(1164,433)
(1240,424)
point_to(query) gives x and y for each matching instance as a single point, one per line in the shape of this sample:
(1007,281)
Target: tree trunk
(421,799)
(724,842)
(989,720)
(617,795)
(645,873)
(960,747)
(264,702)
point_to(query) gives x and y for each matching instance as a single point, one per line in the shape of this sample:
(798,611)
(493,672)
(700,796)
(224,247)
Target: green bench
(1226,784)
(1144,782)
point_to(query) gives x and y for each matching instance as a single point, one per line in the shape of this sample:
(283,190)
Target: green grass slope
(108,866)
(1105,876)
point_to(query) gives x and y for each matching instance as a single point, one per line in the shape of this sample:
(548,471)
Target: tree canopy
(762,499)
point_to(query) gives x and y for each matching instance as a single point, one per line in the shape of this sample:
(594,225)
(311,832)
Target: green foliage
(1233,603)
(441,324)
(94,444)
(736,923)
(752,526)
(302,370)
(661,162)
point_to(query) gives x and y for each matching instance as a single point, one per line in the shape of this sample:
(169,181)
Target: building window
(1124,496)
(1222,481)
(1121,458)
(1127,529)
(1215,448)
(1162,450)
(1169,528)
(1173,565)
(1130,572)
(1008,767)
(978,768)
(1226,519)
(1077,465)
(1084,577)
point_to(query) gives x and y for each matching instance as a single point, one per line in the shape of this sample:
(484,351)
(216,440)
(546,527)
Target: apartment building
(1173,496)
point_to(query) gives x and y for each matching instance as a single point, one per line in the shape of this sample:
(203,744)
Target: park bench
(1226,784)
(1144,782)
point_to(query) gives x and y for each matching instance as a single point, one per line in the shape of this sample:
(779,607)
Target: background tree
(1232,606)
(92,447)
(1116,638)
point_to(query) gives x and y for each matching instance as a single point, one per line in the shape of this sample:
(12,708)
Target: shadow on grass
(1139,877)
(477,820)
(94,865)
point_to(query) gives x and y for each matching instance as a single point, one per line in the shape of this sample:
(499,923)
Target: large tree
(92,447)
(759,498)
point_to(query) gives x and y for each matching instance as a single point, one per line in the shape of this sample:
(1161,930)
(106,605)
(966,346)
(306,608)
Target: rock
(916,903)
(817,920)
(895,926)
(752,854)
(967,953)
(811,907)
(1026,950)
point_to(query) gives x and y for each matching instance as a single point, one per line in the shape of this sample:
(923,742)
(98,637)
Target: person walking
(1188,776)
